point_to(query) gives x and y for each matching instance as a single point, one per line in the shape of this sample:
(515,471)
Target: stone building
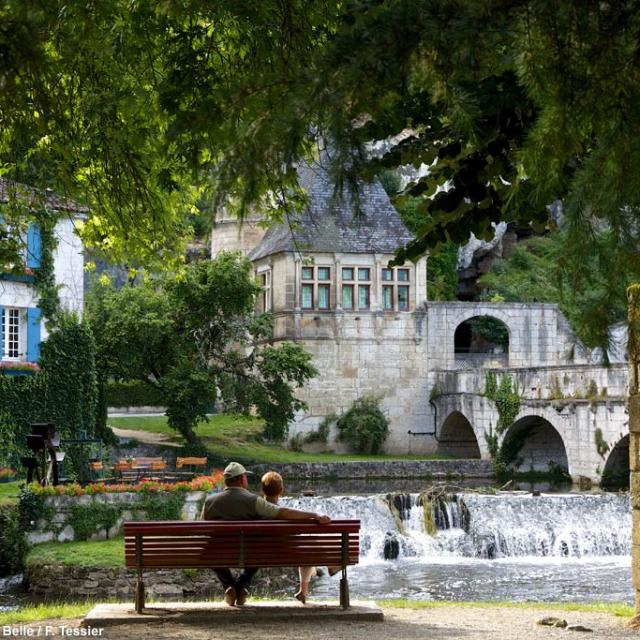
(327,282)
(23,328)
(370,328)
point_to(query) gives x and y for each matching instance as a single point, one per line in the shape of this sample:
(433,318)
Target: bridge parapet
(589,382)
(539,334)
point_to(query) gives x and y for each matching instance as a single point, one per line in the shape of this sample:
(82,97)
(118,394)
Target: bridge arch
(457,437)
(615,475)
(537,444)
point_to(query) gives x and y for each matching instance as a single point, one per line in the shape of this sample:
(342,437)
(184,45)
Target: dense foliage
(63,392)
(363,426)
(537,270)
(13,545)
(68,361)
(196,340)
(145,109)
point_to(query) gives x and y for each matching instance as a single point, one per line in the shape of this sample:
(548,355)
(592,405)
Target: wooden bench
(248,543)
(140,468)
(188,468)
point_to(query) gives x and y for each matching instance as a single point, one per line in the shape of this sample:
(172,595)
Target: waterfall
(471,525)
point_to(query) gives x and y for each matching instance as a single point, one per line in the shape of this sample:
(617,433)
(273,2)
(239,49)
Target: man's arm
(285,513)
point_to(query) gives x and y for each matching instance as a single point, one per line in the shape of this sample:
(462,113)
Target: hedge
(133,393)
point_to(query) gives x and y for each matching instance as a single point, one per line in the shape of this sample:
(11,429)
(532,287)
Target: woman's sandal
(302,597)
(333,570)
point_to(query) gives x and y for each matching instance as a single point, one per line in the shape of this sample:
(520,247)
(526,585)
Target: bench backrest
(253,543)
(193,462)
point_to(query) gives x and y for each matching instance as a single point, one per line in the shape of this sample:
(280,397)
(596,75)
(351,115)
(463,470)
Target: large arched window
(482,340)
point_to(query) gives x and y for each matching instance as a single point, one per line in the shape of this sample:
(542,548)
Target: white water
(516,547)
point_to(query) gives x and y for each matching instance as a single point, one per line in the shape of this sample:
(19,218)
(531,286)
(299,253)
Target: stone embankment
(428,469)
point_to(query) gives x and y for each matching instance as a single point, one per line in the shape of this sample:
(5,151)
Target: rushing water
(569,547)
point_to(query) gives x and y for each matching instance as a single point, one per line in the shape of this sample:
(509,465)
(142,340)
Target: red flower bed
(201,483)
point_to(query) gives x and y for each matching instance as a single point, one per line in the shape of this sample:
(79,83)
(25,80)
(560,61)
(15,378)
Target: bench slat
(219,541)
(271,527)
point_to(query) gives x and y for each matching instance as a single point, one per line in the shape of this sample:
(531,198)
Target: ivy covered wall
(64,392)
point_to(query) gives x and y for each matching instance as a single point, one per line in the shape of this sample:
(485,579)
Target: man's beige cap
(233,470)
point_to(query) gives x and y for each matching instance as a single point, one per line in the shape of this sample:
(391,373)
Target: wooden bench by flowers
(189,467)
(140,468)
(246,543)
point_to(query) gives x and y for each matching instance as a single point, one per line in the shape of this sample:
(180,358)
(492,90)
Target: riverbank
(411,621)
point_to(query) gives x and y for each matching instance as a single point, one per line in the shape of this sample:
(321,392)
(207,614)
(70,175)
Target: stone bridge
(572,412)
(429,367)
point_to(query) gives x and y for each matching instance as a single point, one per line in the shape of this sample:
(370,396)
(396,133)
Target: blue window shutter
(34,246)
(33,334)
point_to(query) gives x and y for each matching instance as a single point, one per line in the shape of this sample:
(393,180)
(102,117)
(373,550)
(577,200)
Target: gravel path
(147,437)
(440,623)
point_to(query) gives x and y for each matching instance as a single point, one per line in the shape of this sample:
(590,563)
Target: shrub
(13,546)
(364,426)
(322,434)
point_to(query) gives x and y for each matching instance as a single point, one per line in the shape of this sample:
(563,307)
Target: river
(552,547)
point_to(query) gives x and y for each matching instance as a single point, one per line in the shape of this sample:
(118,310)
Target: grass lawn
(9,491)
(238,438)
(35,612)
(95,553)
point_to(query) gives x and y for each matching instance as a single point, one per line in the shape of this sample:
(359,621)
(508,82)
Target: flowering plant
(202,483)
(7,472)
(10,365)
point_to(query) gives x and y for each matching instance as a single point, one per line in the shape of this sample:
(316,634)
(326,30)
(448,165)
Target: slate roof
(36,198)
(330,224)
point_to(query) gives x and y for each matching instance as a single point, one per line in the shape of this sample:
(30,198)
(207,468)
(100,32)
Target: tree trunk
(633,349)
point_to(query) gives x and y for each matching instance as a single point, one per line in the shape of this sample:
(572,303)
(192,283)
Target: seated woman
(272,489)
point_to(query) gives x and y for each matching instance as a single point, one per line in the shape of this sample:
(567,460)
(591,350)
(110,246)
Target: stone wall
(358,354)
(229,235)
(384,469)
(580,423)
(61,582)
(60,526)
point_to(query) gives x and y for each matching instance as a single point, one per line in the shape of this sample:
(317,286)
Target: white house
(23,327)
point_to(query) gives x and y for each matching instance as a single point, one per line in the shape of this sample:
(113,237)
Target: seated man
(237,503)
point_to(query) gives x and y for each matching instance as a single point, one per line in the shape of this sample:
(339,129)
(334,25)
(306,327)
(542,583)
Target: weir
(472,525)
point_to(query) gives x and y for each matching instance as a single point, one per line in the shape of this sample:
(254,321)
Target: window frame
(17,314)
(398,283)
(315,284)
(264,278)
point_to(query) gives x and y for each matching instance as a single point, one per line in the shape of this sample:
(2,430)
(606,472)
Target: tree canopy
(144,108)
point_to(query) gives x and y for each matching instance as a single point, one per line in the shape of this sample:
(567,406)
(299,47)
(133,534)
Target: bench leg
(344,591)
(139,594)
